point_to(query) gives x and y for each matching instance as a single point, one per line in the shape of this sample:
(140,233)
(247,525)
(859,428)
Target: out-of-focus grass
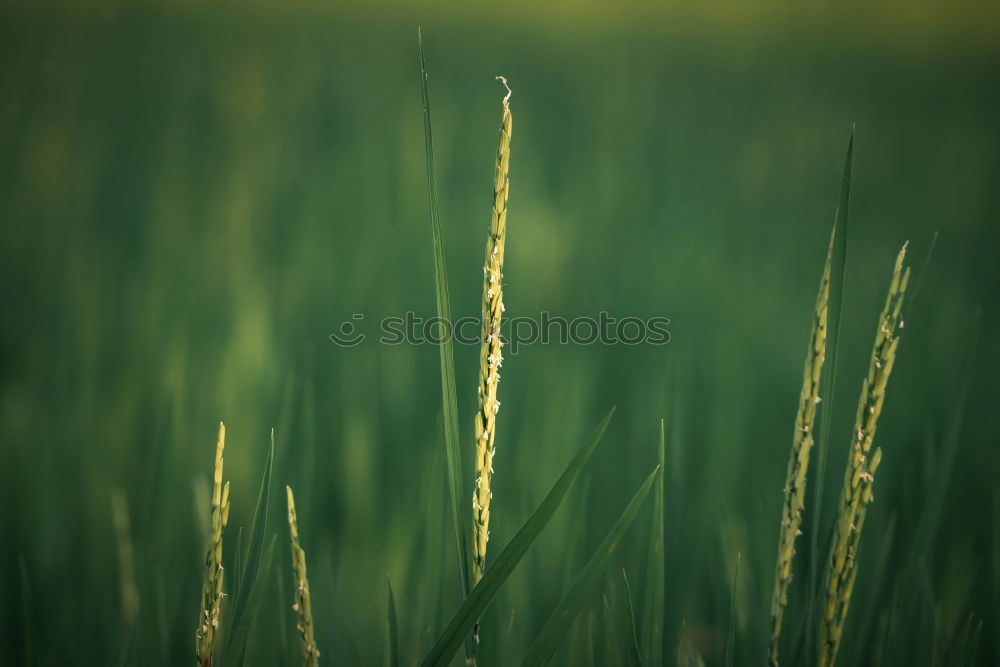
(190,204)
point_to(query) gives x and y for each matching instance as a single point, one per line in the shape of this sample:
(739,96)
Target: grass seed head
(859,476)
(798,459)
(212,591)
(303,604)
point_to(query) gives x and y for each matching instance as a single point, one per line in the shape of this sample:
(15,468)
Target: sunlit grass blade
(731,633)
(559,623)
(391,629)
(652,622)
(449,397)
(484,592)
(633,657)
(829,383)
(255,551)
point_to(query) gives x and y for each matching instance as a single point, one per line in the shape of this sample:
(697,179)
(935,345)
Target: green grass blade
(255,552)
(652,622)
(238,555)
(612,645)
(391,630)
(731,634)
(480,597)
(919,278)
(26,612)
(828,384)
(937,494)
(634,658)
(449,397)
(555,629)
(256,596)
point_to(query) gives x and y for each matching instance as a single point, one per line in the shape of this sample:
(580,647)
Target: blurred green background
(193,198)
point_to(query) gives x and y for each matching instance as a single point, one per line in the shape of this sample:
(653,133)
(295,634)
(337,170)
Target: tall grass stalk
(212,592)
(798,459)
(303,603)
(491,354)
(860,472)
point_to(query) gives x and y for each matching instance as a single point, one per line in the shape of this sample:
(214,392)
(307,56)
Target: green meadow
(193,199)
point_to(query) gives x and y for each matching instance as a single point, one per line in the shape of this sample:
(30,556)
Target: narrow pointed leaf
(731,635)
(652,622)
(449,397)
(255,553)
(555,629)
(391,630)
(484,592)
(828,385)
(634,658)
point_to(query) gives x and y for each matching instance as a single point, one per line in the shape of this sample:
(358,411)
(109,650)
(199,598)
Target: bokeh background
(193,197)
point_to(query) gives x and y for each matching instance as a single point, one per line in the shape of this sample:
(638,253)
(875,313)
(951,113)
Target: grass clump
(303,604)
(212,592)
(860,473)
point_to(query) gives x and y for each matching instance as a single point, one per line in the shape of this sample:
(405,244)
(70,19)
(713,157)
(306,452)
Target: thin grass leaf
(129,650)
(255,552)
(967,645)
(391,629)
(449,398)
(919,279)
(937,494)
(829,384)
(612,645)
(282,612)
(731,634)
(238,560)
(254,601)
(22,567)
(995,543)
(879,576)
(652,622)
(429,600)
(484,592)
(634,658)
(559,623)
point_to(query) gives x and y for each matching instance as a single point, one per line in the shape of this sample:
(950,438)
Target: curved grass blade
(919,278)
(652,622)
(391,630)
(634,658)
(480,597)
(256,596)
(731,635)
(449,397)
(555,629)
(930,520)
(255,553)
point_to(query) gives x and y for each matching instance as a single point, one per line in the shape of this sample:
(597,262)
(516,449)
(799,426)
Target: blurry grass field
(190,205)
